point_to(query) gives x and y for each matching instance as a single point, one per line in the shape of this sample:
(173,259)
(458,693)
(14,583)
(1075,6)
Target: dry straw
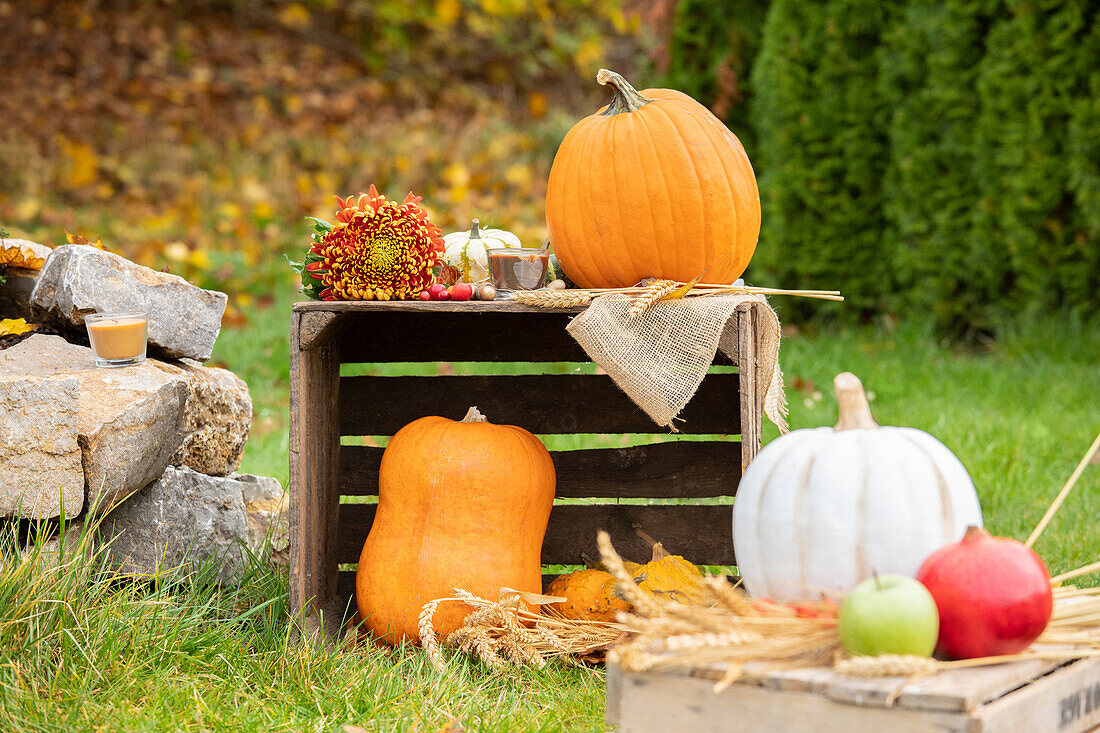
(644,296)
(505,633)
(728,631)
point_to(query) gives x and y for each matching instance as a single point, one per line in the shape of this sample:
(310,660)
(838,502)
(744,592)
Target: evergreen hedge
(924,157)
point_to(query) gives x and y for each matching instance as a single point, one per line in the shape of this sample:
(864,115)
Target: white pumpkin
(818,510)
(466,250)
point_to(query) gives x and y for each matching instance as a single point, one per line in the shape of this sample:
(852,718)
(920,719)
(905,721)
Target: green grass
(80,653)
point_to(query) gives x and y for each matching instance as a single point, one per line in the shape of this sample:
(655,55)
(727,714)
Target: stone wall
(148,451)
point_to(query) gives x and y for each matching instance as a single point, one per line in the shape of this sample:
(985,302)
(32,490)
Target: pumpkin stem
(473,415)
(474,232)
(626,99)
(851,400)
(659,552)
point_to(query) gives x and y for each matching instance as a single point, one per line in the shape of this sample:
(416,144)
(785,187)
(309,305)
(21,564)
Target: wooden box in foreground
(334,402)
(1024,697)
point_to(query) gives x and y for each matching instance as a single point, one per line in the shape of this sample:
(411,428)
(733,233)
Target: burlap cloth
(659,358)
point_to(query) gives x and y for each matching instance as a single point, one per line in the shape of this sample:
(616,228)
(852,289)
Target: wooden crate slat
(961,690)
(688,469)
(1035,696)
(468,307)
(702,534)
(459,336)
(541,403)
(1066,701)
(670,703)
(313,465)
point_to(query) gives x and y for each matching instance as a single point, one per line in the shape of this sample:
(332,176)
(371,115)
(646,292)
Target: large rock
(77,279)
(268,509)
(130,421)
(185,520)
(218,415)
(40,469)
(15,293)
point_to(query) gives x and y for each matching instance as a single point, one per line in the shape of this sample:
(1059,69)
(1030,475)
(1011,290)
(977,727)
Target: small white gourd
(466,250)
(820,509)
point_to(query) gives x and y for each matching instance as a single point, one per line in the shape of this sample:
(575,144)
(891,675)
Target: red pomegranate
(993,595)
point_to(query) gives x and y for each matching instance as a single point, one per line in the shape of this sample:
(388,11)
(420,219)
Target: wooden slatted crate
(331,484)
(1028,696)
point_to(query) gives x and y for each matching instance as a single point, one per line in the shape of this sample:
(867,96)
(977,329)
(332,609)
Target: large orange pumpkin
(460,505)
(652,185)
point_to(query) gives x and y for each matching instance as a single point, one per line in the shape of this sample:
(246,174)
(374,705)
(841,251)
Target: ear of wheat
(657,290)
(551,298)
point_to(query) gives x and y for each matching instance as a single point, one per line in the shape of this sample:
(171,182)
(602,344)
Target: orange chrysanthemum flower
(377,250)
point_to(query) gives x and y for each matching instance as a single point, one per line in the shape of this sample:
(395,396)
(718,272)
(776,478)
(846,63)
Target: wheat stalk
(887,665)
(428,638)
(579,296)
(655,291)
(551,298)
(635,596)
(684,642)
(730,597)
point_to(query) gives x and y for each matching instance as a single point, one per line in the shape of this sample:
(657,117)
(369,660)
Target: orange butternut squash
(460,505)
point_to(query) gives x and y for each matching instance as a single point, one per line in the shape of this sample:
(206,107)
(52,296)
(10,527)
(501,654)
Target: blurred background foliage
(923,157)
(196,135)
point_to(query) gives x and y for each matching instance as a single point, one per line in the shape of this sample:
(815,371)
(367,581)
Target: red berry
(435,289)
(425,295)
(444,295)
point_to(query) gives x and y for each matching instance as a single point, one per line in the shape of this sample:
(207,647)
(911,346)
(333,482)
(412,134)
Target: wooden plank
(702,534)
(541,403)
(750,402)
(651,702)
(664,470)
(314,500)
(481,336)
(966,689)
(1066,701)
(419,306)
(317,327)
(416,336)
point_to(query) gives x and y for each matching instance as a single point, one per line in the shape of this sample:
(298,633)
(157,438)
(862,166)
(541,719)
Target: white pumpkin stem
(473,415)
(475,233)
(851,401)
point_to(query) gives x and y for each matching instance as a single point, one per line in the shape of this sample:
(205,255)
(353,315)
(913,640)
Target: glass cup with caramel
(118,339)
(517,269)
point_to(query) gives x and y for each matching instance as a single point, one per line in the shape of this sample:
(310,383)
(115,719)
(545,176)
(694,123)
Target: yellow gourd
(589,594)
(671,577)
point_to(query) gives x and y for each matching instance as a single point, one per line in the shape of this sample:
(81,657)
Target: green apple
(889,614)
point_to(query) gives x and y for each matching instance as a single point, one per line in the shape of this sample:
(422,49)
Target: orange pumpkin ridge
(460,505)
(654,185)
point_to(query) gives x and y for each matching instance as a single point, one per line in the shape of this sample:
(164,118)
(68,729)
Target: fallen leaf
(15,326)
(81,239)
(12,255)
